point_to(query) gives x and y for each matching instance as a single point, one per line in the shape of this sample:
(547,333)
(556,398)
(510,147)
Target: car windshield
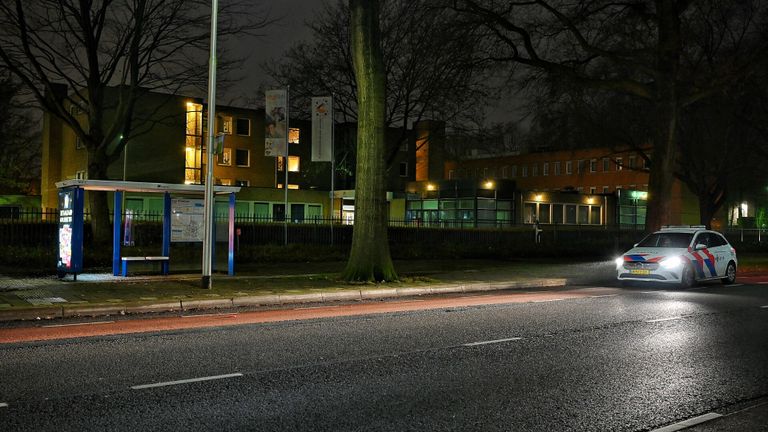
(667,240)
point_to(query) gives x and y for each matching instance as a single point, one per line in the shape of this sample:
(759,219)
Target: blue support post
(165,265)
(116,222)
(231,251)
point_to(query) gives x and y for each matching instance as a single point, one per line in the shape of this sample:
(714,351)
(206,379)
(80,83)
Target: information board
(187,220)
(70,257)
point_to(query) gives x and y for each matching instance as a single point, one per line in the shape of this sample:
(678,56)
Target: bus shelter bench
(161,259)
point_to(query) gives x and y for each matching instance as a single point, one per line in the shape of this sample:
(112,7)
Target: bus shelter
(71,220)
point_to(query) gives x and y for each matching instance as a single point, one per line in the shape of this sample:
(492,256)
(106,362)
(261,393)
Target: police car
(682,255)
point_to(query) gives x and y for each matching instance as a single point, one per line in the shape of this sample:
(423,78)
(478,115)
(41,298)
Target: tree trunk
(369,258)
(99,208)
(664,159)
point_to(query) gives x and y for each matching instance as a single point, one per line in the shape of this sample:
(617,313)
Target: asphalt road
(620,360)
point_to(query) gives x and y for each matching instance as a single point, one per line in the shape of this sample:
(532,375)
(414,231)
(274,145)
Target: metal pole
(209,200)
(333,164)
(285,159)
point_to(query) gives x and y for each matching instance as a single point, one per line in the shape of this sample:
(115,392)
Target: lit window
(243,183)
(293,137)
(293,163)
(225,125)
(242,157)
(244,126)
(227,182)
(290,186)
(81,175)
(619,164)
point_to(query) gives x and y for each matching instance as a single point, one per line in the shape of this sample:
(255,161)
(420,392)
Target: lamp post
(208,202)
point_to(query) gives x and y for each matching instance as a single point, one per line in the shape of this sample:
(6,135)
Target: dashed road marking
(185,381)
(79,324)
(545,301)
(3,405)
(492,341)
(604,295)
(664,319)
(688,423)
(764,307)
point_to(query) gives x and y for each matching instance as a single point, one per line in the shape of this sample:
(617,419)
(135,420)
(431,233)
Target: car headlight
(619,261)
(671,262)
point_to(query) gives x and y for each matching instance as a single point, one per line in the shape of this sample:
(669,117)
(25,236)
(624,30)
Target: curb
(272,299)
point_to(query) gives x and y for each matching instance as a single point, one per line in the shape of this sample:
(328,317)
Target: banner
(322,129)
(276,130)
(187,220)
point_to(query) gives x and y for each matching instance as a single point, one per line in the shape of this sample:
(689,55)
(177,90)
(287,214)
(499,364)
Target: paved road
(606,360)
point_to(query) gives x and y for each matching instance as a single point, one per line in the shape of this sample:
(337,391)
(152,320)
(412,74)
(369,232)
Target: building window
(631,162)
(293,163)
(225,125)
(244,126)
(193,158)
(485,172)
(592,190)
(514,171)
(291,186)
(545,169)
(605,189)
(556,168)
(646,164)
(504,171)
(403,169)
(606,164)
(569,167)
(225,158)
(79,145)
(243,183)
(619,164)
(242,157)
(534,170)
(450,174)
(580,189)
(227,182)
(580,166)
(525,171)
(81,175)
(293,137)
(593,165)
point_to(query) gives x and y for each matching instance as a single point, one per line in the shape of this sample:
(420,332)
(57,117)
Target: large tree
(369,258)
(431,68)
(670,53)
(109,53)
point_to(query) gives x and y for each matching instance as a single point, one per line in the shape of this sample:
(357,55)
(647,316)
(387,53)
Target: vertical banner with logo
(276,127)
(70,231)
(322,129)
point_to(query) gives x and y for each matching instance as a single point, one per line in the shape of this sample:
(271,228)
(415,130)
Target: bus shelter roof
(144,187)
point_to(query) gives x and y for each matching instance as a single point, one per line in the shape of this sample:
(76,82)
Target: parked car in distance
(683,255)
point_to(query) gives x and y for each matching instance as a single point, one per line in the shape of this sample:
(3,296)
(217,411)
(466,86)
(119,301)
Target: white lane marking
(492,341)
(733,285)
(208,315)
(185,381)
(604,295)
(664,319)
(545,301)
(79,324)
(3,405)
(688,423)
(764,307)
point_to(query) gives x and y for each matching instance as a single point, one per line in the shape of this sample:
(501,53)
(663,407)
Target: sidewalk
(95,294)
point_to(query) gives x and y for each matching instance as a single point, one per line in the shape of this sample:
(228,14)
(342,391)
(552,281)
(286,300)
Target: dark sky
(278,37)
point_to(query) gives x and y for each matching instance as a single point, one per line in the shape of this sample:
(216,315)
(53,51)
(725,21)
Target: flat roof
(131,186)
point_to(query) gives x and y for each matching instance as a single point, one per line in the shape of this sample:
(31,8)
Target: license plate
(640,272)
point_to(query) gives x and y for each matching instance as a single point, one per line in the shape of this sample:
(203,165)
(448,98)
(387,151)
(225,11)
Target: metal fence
(39,228)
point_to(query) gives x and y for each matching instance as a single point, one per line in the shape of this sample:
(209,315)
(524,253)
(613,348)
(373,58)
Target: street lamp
(208,202)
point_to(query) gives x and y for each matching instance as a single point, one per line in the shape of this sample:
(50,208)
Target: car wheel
(687,279)
(730,274)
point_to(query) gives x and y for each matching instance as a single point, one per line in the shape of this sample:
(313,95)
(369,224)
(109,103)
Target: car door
(721,250)
(706,260)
